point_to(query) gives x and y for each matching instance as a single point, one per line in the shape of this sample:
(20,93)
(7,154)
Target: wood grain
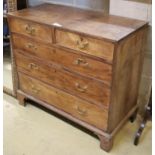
(91,90)
(78,108)
(96,24)
(21,98)
(105,143)
(82,64)
(31,29)
(127,73)
(67,59)
(98,48)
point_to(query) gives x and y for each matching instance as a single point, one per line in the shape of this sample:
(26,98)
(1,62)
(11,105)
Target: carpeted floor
(31,130)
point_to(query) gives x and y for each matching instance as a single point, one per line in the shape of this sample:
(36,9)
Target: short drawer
(90,90)
(95,47)
(72,61)
(31,29)
(76,107)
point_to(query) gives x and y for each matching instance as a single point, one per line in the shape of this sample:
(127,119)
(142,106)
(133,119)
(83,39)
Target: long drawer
(75,62)
(85,88)
(78,108)
(31,29)
(95,47)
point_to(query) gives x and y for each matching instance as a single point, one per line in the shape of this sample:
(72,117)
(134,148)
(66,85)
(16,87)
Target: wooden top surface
(97,24)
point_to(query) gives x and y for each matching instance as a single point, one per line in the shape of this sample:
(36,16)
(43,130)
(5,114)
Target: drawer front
(87,45)
(31,29)
(72,61)
(85,88)
(76,107)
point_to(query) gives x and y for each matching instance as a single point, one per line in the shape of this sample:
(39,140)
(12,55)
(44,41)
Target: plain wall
(99,5)
(131,9)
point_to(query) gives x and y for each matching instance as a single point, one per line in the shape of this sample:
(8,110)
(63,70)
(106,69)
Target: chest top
(97,24)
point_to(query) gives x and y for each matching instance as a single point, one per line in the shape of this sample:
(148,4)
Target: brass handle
(81,111)
(30,30)
(31,46)
(81,62)
(82,43)
(35,90)
(33,31)
(33,66)
(80,88)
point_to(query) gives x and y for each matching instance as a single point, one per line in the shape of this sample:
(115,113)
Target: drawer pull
(81,62)
(82,112)
(35,90)
(82,44)
(80,88)
(30,30)
(31,46)
(33,66)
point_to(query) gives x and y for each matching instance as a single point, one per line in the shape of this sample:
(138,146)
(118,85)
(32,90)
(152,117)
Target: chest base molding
(106,139)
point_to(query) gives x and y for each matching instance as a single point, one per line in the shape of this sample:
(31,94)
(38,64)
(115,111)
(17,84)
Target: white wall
(100,5)
(131,9)
(34,2)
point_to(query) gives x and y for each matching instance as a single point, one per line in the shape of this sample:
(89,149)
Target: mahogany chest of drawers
(81,64)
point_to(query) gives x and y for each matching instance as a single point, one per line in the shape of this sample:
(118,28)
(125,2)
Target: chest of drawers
(82,64)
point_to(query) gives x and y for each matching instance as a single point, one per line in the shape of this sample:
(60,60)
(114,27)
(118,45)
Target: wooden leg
(140,130)
(147,115)
(21,99)
(105,143)
(134,116)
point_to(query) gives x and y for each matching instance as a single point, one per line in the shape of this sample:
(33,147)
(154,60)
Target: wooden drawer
(95,47)
(85,88)
(76,107)
(31,29)
(75,62)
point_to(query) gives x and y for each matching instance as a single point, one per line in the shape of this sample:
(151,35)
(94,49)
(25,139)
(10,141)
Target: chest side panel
(126,76)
